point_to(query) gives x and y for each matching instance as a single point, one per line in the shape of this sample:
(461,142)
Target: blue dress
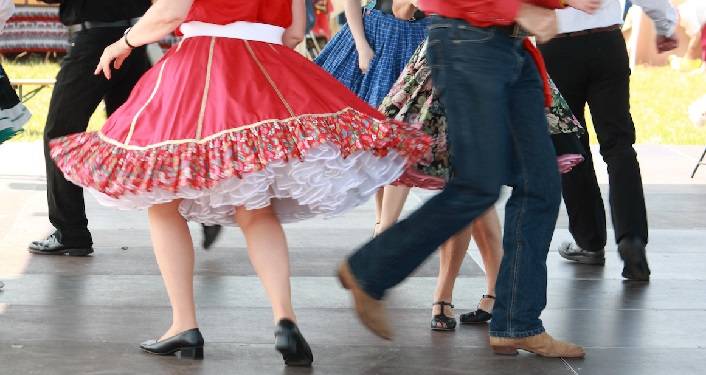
(394,42)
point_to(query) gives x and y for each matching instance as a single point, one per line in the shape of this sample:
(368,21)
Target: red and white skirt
(231,118)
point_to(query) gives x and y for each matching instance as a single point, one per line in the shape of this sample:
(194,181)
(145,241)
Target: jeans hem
(515,334)
(362,284)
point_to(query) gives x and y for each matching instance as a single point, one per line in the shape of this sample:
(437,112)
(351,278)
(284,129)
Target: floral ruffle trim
(94,161)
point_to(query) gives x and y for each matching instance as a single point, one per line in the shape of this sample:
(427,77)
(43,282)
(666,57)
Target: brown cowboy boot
(542,345)
(371,312)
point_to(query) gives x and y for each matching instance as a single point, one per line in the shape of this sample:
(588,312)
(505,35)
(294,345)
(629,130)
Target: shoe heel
(342,280)
(285,345)
(78,253)
(505,350)
(190,353)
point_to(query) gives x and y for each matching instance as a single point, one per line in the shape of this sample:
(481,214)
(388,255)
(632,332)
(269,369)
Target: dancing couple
(190,143)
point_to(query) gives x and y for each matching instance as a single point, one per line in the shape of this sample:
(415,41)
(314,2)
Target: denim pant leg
(470,67)
(531,212)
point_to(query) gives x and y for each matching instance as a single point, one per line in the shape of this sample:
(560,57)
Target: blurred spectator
(692,15)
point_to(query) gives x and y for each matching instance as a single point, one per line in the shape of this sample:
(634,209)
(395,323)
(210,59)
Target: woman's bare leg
(488,236)
(174,251)
(487,233)
(378,208)
(451,256)
(393,201)
(269,255)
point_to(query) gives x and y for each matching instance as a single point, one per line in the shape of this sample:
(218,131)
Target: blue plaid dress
(393,40)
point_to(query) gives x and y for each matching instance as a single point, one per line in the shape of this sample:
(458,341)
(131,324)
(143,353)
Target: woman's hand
(588,6)
(115,54)
(365,56)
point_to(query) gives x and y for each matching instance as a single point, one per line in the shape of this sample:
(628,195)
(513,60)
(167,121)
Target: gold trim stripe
(204,97)
(269,79)
(133,124)
(113,142)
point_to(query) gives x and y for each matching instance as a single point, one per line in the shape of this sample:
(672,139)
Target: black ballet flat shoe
(292,345)
(186,345)
(441,322)
(479,316)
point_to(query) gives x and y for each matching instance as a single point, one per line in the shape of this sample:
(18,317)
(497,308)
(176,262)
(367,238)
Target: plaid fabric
(393,40)
(34,29)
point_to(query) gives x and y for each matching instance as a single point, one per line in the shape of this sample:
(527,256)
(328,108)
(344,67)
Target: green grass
(660,97)
(39,104)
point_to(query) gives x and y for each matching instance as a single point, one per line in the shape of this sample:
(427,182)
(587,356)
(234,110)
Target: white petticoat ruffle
(324,183)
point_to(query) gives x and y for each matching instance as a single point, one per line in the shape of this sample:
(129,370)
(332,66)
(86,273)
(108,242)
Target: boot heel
(504,350)
(190,353)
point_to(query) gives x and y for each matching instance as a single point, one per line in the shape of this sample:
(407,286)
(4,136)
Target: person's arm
(163,17)
(662,14)
(7,7)
(295,32)
(664,17)
(540,19)
(354,18)
(404,9)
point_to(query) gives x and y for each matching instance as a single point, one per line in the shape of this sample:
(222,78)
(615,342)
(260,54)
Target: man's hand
(588,6)
(541,22)
(666,43)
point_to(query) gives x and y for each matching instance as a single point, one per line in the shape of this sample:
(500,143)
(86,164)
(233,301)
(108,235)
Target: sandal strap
(490,296)
(443,304)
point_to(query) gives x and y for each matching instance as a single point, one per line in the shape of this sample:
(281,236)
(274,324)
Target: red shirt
(222,12)
(483,13)
(486,13)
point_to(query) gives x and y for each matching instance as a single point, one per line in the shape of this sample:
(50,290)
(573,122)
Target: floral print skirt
(414,100)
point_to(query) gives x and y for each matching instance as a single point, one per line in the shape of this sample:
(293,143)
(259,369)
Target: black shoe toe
(632,252)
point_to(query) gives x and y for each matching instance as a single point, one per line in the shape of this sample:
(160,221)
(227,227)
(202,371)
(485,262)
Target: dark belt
(513,31)
(88,25)
(589,31)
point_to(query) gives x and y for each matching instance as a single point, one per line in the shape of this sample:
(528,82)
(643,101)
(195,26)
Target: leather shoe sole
(70,251)
(371,312)
(542,345)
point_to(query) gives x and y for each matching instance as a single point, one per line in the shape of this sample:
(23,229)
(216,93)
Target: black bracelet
(125,38)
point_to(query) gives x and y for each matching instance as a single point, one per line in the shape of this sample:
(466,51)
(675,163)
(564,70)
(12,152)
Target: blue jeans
(497,132)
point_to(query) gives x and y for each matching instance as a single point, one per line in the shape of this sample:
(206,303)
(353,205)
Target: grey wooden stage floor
(62,315)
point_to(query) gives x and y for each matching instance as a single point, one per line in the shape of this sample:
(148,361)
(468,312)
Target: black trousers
(594,69)
(75,97)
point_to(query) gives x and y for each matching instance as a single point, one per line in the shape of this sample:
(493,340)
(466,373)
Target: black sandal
(441,322)
(479,316)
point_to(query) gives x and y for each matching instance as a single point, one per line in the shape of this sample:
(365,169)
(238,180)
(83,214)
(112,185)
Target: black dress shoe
(571,251)
(632,251)
(53,246)
(479,316)
(290,342)
(188,344)
(210,235)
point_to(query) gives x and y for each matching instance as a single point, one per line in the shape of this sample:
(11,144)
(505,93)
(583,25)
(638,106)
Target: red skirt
(222,123)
